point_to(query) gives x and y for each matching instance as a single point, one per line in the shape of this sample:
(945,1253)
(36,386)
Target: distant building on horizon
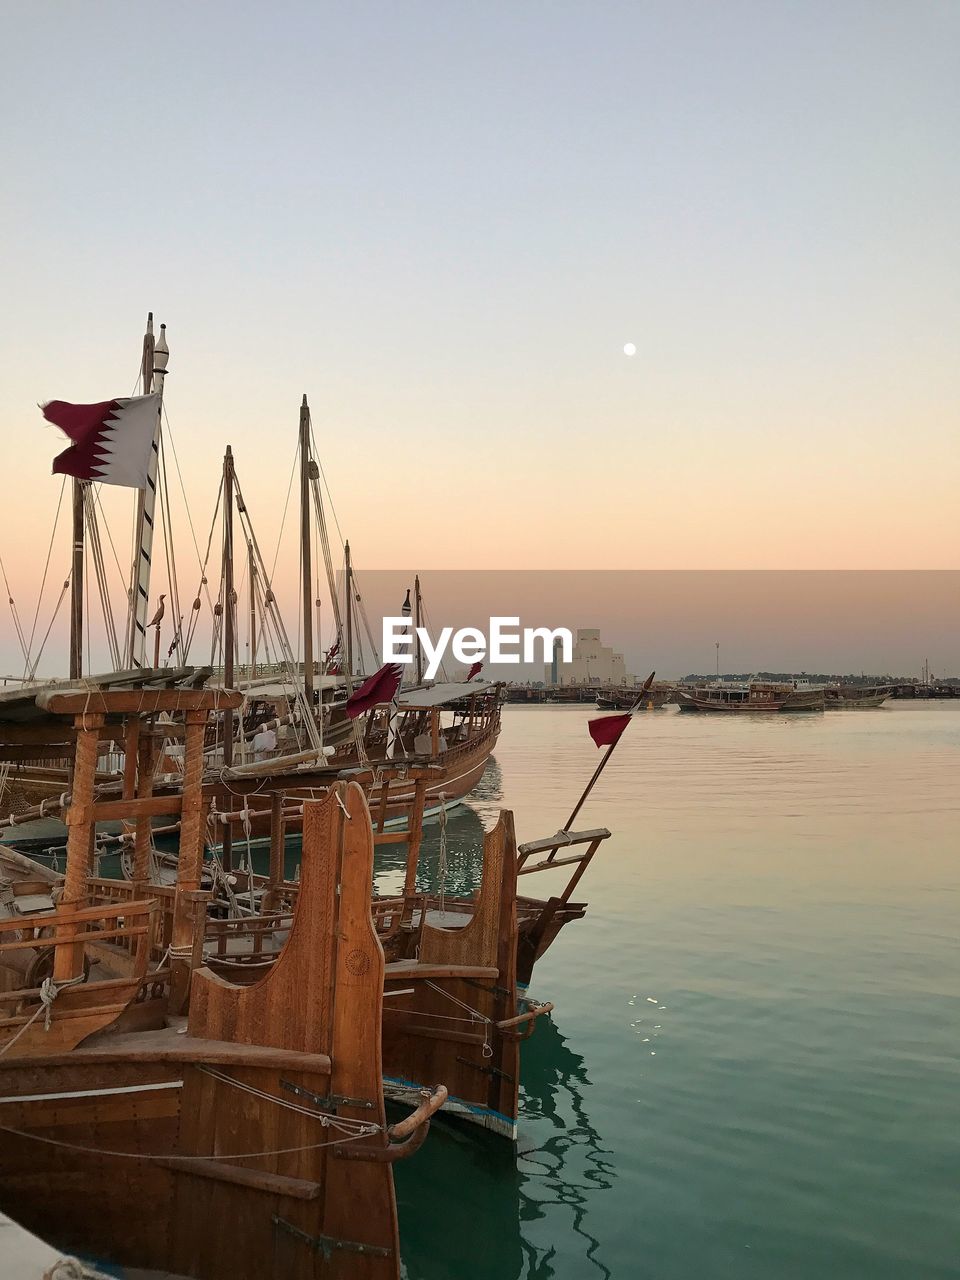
(593,663)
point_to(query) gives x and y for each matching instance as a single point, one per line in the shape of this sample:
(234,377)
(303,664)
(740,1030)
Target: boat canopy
(438,695)
(272,689)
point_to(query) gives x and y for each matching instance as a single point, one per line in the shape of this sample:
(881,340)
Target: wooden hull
(852,699)
(792,703)
(252,1141)
(461,769)
(450,1025)
(452,1008)
(690,703)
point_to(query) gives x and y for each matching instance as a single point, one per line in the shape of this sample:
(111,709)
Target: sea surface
(753,1066)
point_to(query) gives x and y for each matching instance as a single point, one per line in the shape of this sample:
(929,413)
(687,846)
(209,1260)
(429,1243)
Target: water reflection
(463,833)
(470,1198)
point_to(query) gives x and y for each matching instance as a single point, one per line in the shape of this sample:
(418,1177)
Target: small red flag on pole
(475,670)
(606,730)
(378,688)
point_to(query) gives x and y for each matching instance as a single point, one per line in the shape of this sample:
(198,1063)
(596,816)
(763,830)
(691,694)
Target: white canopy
(274,690)
(438,695)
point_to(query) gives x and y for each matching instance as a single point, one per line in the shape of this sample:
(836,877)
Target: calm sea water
(752,1070)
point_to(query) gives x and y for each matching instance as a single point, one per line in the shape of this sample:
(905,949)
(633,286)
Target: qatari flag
(475,670)
(111,440)
(606,730)
(378,688)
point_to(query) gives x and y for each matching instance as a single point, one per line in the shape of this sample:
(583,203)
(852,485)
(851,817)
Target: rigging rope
(203,585)
(442,858)
(13,609)
(96,551)
(283,518)
(43,581)
(166,520)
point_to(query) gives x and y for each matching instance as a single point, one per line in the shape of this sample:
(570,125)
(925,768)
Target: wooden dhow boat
(755,696)
(855,696)
(441,962)
(128,1129)
(626,699)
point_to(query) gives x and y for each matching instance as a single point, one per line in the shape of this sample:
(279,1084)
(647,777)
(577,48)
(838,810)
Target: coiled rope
(49,990)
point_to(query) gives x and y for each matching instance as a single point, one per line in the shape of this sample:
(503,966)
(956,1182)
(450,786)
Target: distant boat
(762,696)
(626,699)
(841,696)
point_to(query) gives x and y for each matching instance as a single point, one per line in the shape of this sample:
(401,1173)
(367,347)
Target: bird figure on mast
(155,622)
(158,616)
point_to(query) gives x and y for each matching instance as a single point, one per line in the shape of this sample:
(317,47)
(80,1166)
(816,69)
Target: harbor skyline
(879,622)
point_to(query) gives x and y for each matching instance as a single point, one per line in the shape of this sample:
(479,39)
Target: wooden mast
(305,562)
(417,612)
(252,575)
(76,585)
(229,604)
(348,580)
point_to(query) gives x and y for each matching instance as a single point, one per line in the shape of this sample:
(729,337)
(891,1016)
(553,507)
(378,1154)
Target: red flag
(378,688)
(112,440)
(475,670)
(606,730)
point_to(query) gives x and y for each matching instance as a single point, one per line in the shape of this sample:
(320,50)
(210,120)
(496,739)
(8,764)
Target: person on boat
(264,743)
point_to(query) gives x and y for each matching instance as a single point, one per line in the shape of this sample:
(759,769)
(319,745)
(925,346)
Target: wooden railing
(130,925)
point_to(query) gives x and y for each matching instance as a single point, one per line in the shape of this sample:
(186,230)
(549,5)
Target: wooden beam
(148,807)
(137,701)
(561,840)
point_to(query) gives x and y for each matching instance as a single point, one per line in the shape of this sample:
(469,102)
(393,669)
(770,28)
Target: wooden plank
(403,970)
(221,1171)
(144,701)
(148,807)
(561,840)
(143,906)
(547,865)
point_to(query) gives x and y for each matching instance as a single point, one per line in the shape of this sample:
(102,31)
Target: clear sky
(444,221)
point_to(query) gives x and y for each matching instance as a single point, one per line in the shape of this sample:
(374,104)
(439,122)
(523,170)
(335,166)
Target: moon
(629,348)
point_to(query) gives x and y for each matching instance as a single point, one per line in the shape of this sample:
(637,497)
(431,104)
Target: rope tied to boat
(442,857)
(475,1015)
(50,988)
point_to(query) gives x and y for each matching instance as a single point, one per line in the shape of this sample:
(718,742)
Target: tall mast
(76,585)
(306,565)
(229,606)
(153,372)
(416,623)
(252,575)
(348,580)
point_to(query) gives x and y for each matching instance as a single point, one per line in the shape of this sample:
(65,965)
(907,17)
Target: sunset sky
(443,222)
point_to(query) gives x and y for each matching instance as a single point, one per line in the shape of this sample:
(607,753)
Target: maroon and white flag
(475,670)
(380,687)
(111,440)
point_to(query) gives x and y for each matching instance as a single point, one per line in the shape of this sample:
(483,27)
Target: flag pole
(153,372)
(305,562)
(76,584)
(602,765)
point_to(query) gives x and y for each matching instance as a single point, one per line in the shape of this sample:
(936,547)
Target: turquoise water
(752,1070)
